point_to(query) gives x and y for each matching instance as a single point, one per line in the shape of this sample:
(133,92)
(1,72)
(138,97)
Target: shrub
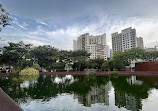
(92,71)
(29,71)
(36,66)
(114,74)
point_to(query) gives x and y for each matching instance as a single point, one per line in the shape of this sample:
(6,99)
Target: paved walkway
(121,73)
(7,104)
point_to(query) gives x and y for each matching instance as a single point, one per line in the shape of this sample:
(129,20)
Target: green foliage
(114,74)
(20,56)
(4,17)
(14,53)
(45,55)
(65,56)
(105,66)
(24,63)
(80,55)
(58,65)
(36,66)
(151,56)
(122,59)
(92,72)
(118,62)
(29,71)
(96,63)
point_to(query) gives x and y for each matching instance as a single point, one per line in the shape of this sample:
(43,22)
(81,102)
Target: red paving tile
(7,104)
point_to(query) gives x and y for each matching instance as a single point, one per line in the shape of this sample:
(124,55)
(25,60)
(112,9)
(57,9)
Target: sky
(59,22)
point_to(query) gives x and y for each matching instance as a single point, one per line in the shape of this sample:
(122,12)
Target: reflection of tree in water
(87,89)
(130,95)
(44,87)
(12,86)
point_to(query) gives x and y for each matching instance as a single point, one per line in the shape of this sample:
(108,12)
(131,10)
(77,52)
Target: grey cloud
(73,9)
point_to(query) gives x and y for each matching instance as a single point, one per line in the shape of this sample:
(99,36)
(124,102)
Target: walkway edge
(7,104)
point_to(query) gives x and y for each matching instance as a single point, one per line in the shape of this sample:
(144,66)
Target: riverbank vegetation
(18,56)
(29,71)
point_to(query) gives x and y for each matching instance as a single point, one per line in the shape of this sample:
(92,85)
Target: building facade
(96,45)
(126,40)
(74,45)
(140,43)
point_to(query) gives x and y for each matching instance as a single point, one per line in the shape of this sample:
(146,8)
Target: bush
(36,66)
(92,71)
(114,74)
(29,71)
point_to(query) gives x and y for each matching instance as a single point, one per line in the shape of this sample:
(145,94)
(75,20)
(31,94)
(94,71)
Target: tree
(118,61)
(4,17)
(45,56)
(36,66)
(96,63)
(105,66)
(151,56)
(14,53)
(134,54)
(79,57)
(122,59)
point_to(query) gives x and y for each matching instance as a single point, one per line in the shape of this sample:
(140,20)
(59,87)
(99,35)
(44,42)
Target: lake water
(83,93)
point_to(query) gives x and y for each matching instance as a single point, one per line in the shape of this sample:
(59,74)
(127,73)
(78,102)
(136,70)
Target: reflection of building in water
(127,101)
(98,94)
(133,80)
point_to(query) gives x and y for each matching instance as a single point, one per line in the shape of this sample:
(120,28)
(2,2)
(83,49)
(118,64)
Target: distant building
(126,40)
(96,45)
(74,45)
(140,43)
(116,42)
(152,49)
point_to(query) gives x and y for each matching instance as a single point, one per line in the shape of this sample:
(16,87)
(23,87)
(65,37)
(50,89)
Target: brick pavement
(7,104)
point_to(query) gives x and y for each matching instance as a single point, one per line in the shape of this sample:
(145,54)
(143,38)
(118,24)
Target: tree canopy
(4,17)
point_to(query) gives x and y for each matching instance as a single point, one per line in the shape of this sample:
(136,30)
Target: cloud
(59,10)
(21,25)
(3,43)
(41,22)
(34,42)
(95,24)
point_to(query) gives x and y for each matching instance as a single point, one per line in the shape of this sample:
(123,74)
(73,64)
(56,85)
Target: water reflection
(97,94)
(129,92)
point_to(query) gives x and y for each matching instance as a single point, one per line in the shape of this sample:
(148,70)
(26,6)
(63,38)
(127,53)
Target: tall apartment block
(96,45)
(126,40)
(140,43)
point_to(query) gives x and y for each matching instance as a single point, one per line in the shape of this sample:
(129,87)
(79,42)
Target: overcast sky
(58,22)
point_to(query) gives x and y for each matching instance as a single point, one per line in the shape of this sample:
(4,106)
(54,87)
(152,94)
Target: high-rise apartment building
(96,45)
(126,40)
(140,43)
(116,42)
(74,44)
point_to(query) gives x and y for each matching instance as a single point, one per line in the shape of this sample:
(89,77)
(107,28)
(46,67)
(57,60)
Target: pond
(83,93)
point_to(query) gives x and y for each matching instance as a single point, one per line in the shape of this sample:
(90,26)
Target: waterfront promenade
(7,104)
(106,73)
